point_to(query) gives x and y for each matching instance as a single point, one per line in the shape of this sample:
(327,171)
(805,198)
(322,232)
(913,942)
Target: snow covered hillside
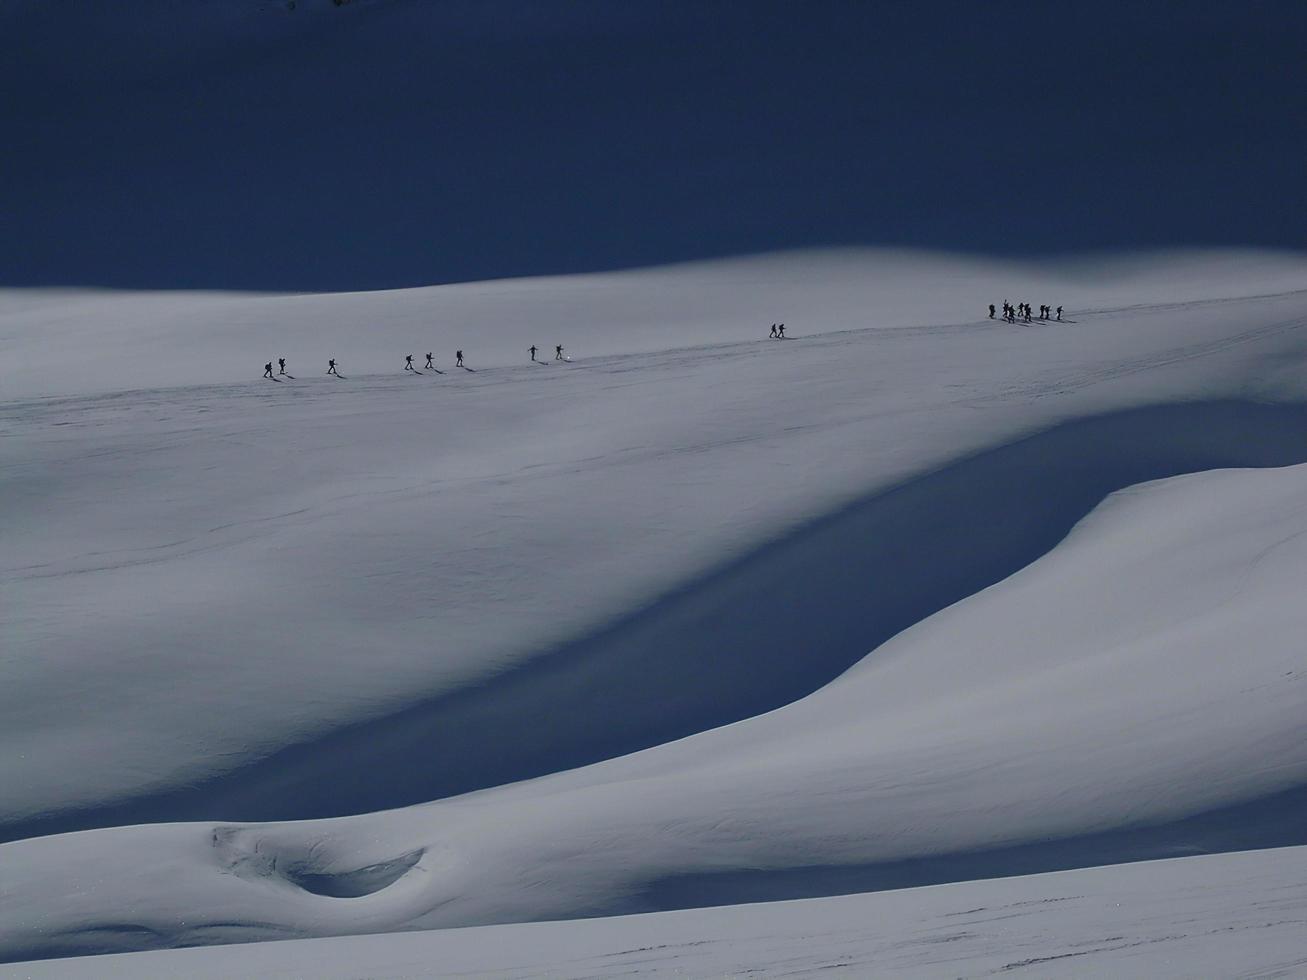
(1225,915)
(694,618)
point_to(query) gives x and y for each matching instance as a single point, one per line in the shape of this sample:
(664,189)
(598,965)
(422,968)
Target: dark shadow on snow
(752,636)
(168,144)
(1272,821)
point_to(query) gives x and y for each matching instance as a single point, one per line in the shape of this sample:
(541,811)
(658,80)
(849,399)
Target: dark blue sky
(233,144)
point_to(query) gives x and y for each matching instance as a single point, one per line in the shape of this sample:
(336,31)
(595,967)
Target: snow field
(241,602)
(1220,915)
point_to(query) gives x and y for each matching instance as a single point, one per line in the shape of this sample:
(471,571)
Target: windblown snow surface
(694,618)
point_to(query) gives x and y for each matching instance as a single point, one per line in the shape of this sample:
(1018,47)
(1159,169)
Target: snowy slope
(246,600)
(424,553)
(1137,692)
(75,342)
(1226,915)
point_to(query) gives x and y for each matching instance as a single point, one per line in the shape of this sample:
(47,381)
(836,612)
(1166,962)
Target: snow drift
(1230,914)
(1020,727)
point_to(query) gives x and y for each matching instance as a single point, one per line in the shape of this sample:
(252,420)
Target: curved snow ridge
(1139,691)
(759,633)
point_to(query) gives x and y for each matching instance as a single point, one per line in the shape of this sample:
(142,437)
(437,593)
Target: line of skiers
(281,363)
(1010,314)
(430,364)
(1022,310)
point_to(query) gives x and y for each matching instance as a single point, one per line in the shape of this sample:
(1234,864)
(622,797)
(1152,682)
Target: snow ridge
(721,648)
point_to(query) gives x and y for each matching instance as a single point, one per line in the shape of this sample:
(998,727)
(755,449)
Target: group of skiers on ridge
(408,362)
(1022,310)
(281,363)
(1010,314)
(431,363)
(558,352)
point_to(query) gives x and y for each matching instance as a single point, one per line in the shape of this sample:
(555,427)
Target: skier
(991,311)
(558,352)
(267,371)
(1028,316)
(430,363)
(780,331)
(281,363)
(408,363)
(1059,314)
(772,335)
(331,367)
(532,349)
(458,358)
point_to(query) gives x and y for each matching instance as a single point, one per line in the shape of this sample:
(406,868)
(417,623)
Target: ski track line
(614,362)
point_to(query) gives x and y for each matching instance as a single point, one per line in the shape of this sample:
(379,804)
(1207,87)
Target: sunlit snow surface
(652,576)
(1225,915)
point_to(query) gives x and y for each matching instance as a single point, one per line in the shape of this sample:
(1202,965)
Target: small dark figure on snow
(458,358)
(281,363)
(532,349)
(991,311)
(1028,316)
(267,370)
(558,352)
(430,363)
(1059,314)
(331,367)
(408,363)
(780,331)
(772,335)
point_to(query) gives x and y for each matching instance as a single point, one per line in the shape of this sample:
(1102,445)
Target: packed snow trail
(75,342)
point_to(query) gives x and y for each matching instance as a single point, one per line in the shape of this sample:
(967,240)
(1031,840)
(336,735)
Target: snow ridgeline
(75,342)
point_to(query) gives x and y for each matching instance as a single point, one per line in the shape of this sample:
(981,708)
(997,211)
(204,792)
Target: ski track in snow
(257,602)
